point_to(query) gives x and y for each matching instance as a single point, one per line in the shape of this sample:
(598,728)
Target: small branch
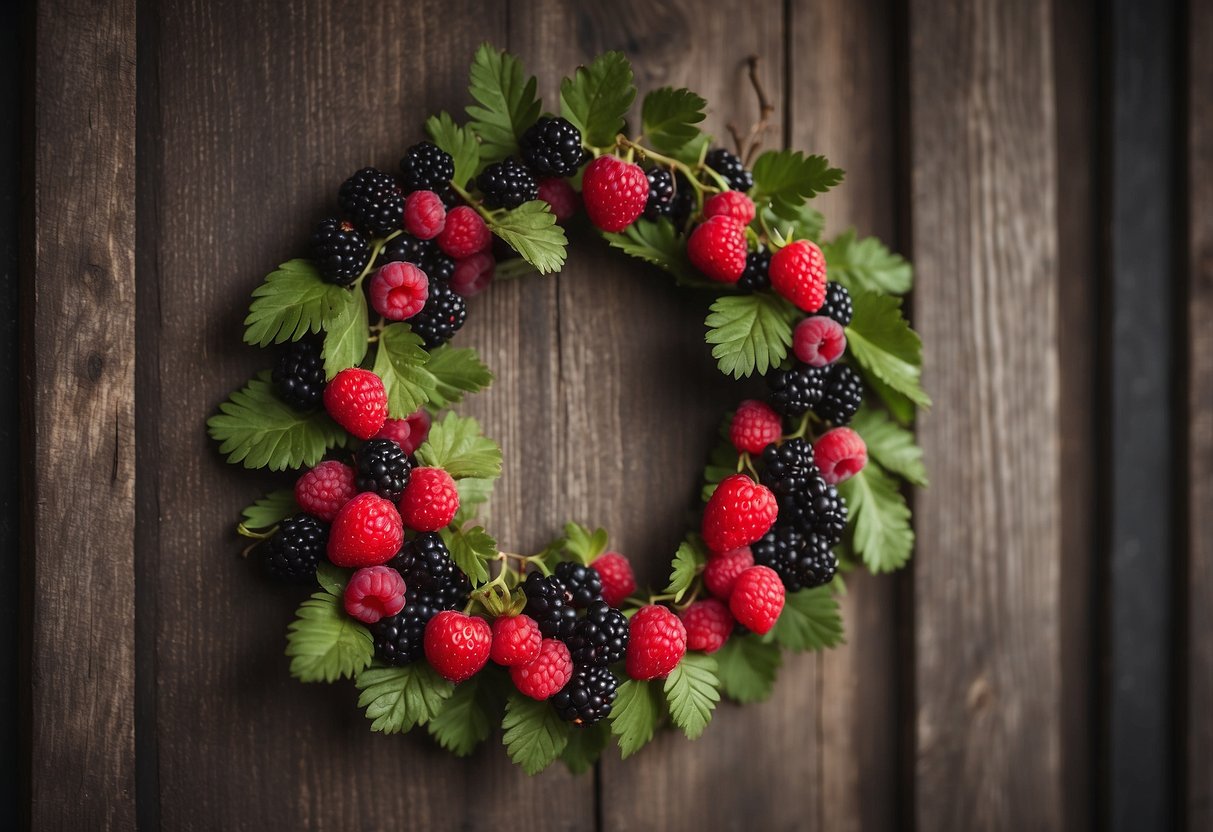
(748,149)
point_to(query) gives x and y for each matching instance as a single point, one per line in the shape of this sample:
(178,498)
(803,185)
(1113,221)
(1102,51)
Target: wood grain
(78,401)
(986,603)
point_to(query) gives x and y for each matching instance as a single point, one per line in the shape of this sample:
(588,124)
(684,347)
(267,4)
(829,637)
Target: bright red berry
(424,215)
(720,575)
(709,624)
(739,512)
(717,248)
(733,204)
(618,579)
(464,234)
(367,532)
(516,640)
(457,645)
(429,501)
(614,192)
(819,341)
(374,592)
(798,272)
(322,491)
(356,400)
(399,290)
(543,677)
(755,425)
(757,599)
(398,431)
(419,429)
(840,454)
(657,641)
(559,194)
(473,274)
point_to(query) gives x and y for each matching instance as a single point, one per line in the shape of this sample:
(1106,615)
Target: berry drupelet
(427,167)
(841,396)
(757,274)
(299,376)
(443,314)
(837,303)
(582,585)
(296,549)
(801,561)
(373,201)
(796,390)
(661,194)
(805,499)
(730,167)
(339,251)
(507,184)
(601,638)
(552,147)
(434,584)
(588,696)
(382,467)
(545,604)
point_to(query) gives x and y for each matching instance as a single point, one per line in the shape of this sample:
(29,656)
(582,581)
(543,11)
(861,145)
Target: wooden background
(1046,663)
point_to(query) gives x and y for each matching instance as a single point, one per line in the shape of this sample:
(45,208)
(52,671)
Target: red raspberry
(464,234)
(547,674)
(840,454)
(457,645)
(374,592)
(618,580)
(516,640)
(739,512)
(473,274)
(757,599)
(357,401)
(322,491)
(798,272)
(419,429)
(559,194)
(819,341)
(720,575)
(709,625)
(717,248)
(424,215)
(399,290)
(755,425)
(398,431)
(614,192)
(429,501)
(733,204)
(657,641)
(367,532)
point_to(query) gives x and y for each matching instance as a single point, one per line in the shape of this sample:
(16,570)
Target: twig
(748,149)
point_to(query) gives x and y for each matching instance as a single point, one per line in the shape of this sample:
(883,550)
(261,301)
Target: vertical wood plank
(987,605)
(78,409)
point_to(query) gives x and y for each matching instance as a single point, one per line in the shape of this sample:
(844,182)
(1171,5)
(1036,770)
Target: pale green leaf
(471,549)
(531,230)
(669,117)
(583,544)
(748,332)
(586,744)
(345,334)
(658,243)
(293,301)
(883,345)
(270,510)
(867,265)
(460,142)
(468,716)
(687,561)
(746,667)
(456,372)
(324,643)
(332,578)
(691,691)
(506,102)
(397,698)
(810,620)
(456,445)
(400,361)
(597,98)
(635,714)
(787,178)
(880,519)
(890,444)
(535,735)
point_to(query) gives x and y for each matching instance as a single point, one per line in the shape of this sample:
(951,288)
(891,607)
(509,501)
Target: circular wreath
(415,601)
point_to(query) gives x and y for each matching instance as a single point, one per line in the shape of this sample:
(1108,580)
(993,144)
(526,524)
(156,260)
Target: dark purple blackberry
(588,696)
(837,304)
(449,198)
(372,199)
(683,205)
(507,184)
(339,251)
(552,147)
(405,248)
(426,167)
(296,549)
(661,194)
(801,561)
(441,317)
(805,500)
(794,391)
(757,271)
(299,376)
(842,394)
(582,584)
(601,638)
(730,167)
(381,466)
(437,266)
(434,584)
(545,604)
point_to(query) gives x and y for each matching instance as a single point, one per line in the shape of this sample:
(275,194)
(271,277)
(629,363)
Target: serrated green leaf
(460,142)
(397,698)
(400,361)
(746,667)
(474,490)
(345,334)
(457,372)
(749,332)
(292,301)
(332,578)
(810,620)
(669,117)
(597,98)
(803,222)
(694,151)
(880,519)
(722,463)
(685,567)
(456,445)
(583,544)
(270,510)
(900,408)
(787,178)
(890,444)
(691,691)
(468,716)
(883,345)
(535,735)
(635,714)
(507,104)
(531,230)
(658,243)
(867,265)
(471,549)
(586,744)
(324,643)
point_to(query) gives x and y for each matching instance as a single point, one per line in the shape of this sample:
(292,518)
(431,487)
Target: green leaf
(635,714)
(270,510)
(535,735)
(657,243)
(293,301)
(687,561)
(456,445)
(470,550)
(507,102)
(803,222)
(694,151)
(880,518)
(258,429)
(669,117)
(597,98)
(787,178)
(332,578)
(345,334)
(460,142)
(583,544)
(400,362)
(467,717)
(324,643)
(900,408)
(722,463)
(746,667)
(691,691)
(457,372)
(397,698)
(586,743)
(749,332)
(474,490)
(890,444)
(531,230)
(867,265)
(810,620)
(882,343)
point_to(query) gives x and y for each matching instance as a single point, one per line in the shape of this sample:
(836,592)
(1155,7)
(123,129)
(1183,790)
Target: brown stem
(748,150)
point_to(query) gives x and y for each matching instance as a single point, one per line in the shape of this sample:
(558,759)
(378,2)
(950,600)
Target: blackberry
(545,604)
(382,467)
(805,500)
(730,167)
(661,194)
(339,251)
(372,199)
(801,561)
(794,391)
(601,638)
(405,248)
(757,271)
(434,584)
(588,696)
(298,375)
(426,167)
(507,184)
(841,395)
(582,584)
(441,317)
(683,205)
(296,549)
(552,147)
(438,266)
(837,304)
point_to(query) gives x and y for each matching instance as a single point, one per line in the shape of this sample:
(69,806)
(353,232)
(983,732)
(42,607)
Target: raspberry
(840,454)
(730,167)
(717,248)
(429,501)
(756,275)
(755,425)
(457,645)
(425,166)
(545,603)
(841,396)
(582,585)
(339,251)
(618,580)
(367,532)
(374,592)
(434,584)
(757,599)
(516,640)
(419,429)
(601,638)
(721,573)
(473,274)
(801,561)
(299,374)
(588,696)
(552,147)
(709,625)
(794,391)
(805,499)
(547,674)
(798,272)
(660,202)
(424,215)
(383,468)
(739,512)
(507,184)
(444,313)
(657,641)
(357,401)
(398,431)
(837,303)
(560,195)
(324,490)
(372,199)
(294,551)
(733,204)
(614,191)
(819,341)
(399,291)
(464,234)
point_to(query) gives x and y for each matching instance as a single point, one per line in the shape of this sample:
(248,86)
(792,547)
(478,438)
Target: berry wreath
(415,601)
